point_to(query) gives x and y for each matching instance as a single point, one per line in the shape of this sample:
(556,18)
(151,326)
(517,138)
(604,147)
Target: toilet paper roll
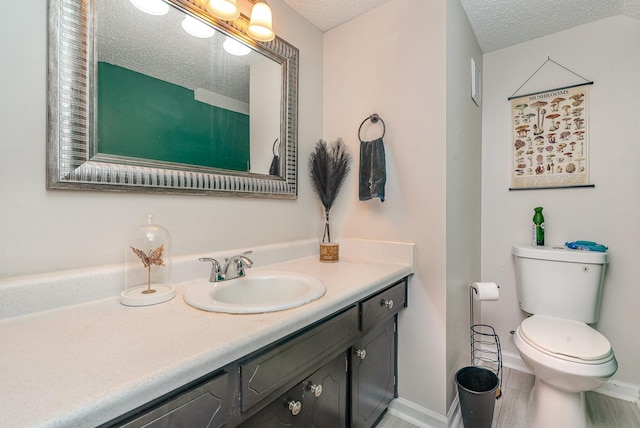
(485,291)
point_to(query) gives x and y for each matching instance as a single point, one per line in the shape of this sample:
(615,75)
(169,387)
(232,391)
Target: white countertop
(86,364)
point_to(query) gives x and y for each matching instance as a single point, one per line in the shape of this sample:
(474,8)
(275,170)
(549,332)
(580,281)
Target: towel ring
(374,118)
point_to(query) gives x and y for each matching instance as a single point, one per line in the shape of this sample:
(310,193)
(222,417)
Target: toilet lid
(565,337)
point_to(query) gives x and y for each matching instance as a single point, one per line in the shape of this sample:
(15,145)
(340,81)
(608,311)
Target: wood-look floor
(511,409)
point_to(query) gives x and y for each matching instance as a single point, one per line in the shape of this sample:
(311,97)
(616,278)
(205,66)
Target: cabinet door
(319,401)
(265,376)
(373,362)
(325,395)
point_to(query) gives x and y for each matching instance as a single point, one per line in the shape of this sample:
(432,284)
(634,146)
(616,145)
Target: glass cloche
(148,267)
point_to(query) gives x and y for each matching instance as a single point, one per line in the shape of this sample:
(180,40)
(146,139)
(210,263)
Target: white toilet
(561,289)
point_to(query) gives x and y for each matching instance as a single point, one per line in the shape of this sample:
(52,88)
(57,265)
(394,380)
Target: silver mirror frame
(71,117)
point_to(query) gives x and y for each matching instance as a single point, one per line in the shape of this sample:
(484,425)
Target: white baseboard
(425,418)
(513,361)
(416,414)
(621,390)
(455,414)
(612,388)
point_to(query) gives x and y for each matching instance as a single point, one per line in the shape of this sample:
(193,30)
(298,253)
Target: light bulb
(223,9)
(260,27)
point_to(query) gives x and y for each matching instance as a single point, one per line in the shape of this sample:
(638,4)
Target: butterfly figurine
(153,258)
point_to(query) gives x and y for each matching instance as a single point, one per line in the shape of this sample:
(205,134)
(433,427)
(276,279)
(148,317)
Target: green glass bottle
(538,227)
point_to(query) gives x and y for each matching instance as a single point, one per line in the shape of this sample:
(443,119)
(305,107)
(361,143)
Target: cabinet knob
(362,353)
(315,389)
(295,407)
(387,303)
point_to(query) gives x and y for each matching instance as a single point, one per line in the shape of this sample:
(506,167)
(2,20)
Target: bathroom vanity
(301,380)
(331,362)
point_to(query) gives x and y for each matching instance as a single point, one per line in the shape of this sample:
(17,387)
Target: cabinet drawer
(383,305)
(205,406)
(266,373)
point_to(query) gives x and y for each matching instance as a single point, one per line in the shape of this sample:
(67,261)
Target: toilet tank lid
(562,254)
(566,337)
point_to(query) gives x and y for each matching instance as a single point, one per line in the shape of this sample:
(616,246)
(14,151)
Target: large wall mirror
(179,102)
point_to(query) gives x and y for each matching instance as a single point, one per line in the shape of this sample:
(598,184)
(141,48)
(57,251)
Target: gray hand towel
(373,175)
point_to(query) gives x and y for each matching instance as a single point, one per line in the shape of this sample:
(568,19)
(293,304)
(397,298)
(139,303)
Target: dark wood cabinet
(202,406)
(318,401)
(373,374)
(265,375)
(328,408)
(338,372)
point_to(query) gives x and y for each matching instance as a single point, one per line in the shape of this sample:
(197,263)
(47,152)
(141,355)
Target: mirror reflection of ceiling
(159,47)
(497,24)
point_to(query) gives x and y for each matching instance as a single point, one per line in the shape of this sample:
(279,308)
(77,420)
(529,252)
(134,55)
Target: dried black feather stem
(328,166)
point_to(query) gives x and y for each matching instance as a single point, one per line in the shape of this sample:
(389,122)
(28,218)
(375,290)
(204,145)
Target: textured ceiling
(502,23)
(496,23)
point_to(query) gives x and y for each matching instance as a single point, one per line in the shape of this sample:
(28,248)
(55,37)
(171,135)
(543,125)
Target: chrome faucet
(238,263)
(234,267)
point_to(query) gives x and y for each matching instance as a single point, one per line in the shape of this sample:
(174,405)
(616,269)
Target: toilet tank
(560,282)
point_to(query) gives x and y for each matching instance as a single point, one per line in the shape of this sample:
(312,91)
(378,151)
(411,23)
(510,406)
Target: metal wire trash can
(486,351)
(485,346)
(477,391)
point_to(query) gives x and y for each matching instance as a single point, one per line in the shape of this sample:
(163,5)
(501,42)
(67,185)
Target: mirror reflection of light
(197,28)
(152,7)
(234,47)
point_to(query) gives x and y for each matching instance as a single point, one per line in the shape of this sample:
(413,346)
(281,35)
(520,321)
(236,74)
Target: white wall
(464,126)
(264,116)
(43,230)
(393,61)
(607,53)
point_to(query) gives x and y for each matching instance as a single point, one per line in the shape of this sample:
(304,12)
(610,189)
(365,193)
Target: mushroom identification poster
(550,139)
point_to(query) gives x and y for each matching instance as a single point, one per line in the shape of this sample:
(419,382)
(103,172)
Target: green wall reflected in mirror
(143,117)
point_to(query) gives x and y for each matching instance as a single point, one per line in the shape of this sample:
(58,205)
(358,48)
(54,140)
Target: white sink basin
(258,291)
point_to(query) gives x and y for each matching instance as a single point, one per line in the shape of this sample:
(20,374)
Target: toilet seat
(566,339)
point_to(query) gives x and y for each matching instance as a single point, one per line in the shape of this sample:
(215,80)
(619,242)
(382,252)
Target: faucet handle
(246,260)
(242,262)
(216,270)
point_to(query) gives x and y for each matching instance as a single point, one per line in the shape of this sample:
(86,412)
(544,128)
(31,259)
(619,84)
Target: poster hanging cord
(589,82)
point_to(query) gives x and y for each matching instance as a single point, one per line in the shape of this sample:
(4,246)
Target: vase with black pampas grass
(328,166)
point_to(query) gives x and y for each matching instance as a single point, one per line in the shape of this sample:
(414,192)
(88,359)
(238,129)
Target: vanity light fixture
(152,7)
(223,9)
(197,28)
(234,47)
(260,26)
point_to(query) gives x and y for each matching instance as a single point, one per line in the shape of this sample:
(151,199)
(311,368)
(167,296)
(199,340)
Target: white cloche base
(135,296)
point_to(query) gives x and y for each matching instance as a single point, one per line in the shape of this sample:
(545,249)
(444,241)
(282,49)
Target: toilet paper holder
(485,345)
